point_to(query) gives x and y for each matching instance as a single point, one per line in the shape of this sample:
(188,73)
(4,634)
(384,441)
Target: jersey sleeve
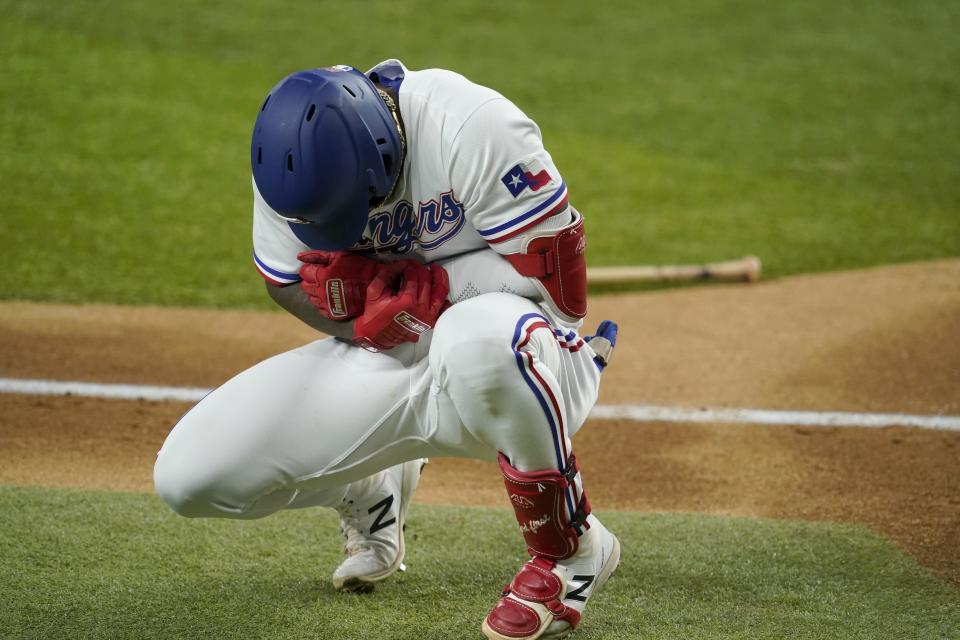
(506,180)
(275,247)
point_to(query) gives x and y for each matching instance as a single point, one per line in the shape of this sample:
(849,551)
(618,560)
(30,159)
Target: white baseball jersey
(476,175)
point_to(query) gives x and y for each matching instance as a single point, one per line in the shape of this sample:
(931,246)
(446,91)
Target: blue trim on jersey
(543,401)
(529,214)
(274,272)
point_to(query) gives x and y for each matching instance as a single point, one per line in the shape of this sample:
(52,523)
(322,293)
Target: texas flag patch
(521,177)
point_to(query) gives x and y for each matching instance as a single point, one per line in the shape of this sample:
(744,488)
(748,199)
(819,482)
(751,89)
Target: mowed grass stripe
(818,136)
(108,565)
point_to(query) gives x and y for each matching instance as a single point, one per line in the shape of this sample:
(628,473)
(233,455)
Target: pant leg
(294,430)
(517,383)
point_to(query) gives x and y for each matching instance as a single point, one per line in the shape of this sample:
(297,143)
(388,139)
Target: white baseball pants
(295,430)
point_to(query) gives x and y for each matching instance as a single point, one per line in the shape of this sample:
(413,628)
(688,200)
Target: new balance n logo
(577,594)
(384,507)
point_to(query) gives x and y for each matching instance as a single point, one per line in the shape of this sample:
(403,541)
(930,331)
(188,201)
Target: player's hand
(336,282)
(603,343)
(403,301)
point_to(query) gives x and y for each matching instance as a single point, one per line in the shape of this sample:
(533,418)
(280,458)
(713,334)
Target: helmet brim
(337,234)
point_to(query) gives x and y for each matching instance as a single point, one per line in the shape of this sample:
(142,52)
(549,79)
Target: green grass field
(105,565)
(818,136)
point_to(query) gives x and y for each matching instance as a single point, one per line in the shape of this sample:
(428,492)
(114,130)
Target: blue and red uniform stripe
(544,394)
(553,205)
(274,276)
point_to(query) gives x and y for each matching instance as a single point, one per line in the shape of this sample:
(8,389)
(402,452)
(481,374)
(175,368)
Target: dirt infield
(885,339)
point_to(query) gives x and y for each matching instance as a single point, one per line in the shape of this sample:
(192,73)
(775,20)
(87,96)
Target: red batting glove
(403,301)
(336,282)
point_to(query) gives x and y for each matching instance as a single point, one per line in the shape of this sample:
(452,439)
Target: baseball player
(416,218)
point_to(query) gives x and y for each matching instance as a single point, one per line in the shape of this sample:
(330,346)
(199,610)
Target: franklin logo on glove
(411,323)
(338,306)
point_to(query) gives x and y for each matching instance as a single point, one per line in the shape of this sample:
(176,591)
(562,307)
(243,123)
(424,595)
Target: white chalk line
(101,390)
(650,413)
(635,413)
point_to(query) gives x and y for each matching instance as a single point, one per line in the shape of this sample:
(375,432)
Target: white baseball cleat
(546,598)
(372,520)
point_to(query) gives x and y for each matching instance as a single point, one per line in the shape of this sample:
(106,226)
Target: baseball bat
(746,269)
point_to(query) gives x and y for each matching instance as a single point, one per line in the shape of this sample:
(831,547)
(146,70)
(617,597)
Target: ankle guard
(538,501)
(530,603)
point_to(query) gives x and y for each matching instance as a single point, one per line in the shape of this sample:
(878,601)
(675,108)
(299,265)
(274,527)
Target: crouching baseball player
(416,217)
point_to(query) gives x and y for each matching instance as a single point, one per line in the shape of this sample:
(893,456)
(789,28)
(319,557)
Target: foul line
(100,390)
(649,413)
(636,413)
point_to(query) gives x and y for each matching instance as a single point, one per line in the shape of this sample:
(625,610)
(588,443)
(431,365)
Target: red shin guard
(538,501)
(534,598)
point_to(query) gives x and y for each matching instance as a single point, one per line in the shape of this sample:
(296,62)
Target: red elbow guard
(557,260)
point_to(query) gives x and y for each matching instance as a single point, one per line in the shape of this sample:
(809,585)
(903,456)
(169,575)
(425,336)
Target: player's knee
(488,332)
(488,318)
(182,491)
(468,342)
(192,487)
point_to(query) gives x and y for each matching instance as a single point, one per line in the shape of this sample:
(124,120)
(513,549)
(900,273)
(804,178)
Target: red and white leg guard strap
(530,603)
(538,501)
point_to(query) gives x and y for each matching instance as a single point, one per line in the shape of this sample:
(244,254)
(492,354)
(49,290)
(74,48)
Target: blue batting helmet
(326,150)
